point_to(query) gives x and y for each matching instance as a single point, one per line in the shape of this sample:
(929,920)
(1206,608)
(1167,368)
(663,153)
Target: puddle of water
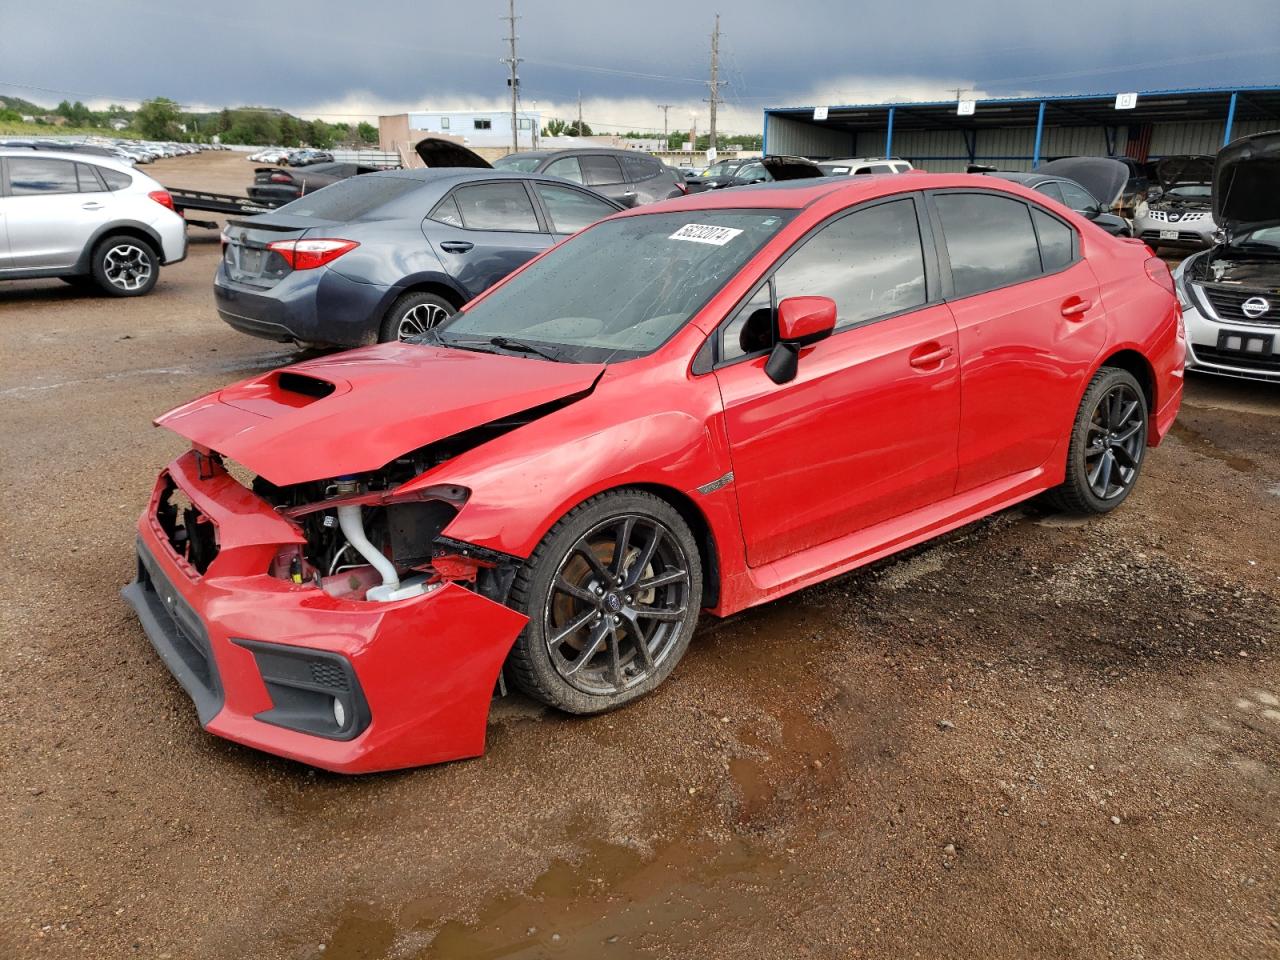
(612,903)
(1201,444)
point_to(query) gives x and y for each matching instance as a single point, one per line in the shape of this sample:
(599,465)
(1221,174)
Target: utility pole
(715,82)
(513,81)
(664,107)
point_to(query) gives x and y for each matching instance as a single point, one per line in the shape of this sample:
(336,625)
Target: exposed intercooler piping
(351,523)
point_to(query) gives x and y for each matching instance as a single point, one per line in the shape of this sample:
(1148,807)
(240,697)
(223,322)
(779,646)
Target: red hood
(357,411)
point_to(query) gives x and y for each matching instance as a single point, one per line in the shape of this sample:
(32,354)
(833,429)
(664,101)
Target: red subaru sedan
(699,405)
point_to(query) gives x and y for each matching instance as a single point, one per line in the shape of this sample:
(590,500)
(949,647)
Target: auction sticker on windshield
(705,233)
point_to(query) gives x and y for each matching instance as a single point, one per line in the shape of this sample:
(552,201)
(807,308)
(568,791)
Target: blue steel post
(888,136)
(1231,118)
(1035,156)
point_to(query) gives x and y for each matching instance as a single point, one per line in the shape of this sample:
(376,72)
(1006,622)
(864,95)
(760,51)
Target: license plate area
(251,260)
(1168,234)
(1246,343)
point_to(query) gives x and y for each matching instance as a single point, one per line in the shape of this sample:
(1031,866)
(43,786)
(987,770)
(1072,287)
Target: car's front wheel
(1108,441)
(412,315)
(612,594)
(124,266)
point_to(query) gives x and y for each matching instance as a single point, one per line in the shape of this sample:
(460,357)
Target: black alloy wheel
(1117,433)
(1107,446)
(613,594)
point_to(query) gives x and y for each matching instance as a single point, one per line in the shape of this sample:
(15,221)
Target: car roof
(798,194)
(565,151)
(1018,177)
(53,153)
(435,174)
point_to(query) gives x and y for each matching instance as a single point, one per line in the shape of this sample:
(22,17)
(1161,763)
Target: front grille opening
(190,533)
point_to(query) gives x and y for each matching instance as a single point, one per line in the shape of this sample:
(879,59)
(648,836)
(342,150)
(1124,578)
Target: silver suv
(85,219)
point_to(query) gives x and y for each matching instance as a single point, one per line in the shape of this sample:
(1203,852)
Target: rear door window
(115,179)
(1077,198)
(37,176)
(571,210)
(88,181)
(641,167)
(870,262)
(600,170)
(1056,247)
(1050,189)
(567,167)
(497,206)
(989,240)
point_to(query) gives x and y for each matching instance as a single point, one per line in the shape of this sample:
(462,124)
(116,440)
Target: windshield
(518,163)
(1197,191)
(619,289)
(1264,238)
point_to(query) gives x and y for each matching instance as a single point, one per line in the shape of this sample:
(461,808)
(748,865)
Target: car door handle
(456,246)
(91,205)
(1074,308)
(929,355)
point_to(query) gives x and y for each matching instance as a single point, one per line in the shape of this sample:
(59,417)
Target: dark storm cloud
(408,52)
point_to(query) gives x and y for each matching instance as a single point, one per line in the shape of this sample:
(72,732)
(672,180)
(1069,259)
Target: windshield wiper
(511,343)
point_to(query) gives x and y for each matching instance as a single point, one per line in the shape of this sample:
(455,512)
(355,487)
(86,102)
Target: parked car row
(128,151)
(291,156)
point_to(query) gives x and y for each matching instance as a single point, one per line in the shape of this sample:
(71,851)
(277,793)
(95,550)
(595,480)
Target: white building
(479,128)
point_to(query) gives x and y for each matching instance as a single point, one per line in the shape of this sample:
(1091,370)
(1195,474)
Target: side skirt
(847,553)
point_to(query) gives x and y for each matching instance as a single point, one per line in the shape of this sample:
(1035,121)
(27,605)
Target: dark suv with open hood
(1230,293)
(628,177)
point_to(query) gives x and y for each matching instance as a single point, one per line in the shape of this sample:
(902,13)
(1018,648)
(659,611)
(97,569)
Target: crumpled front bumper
(422,670)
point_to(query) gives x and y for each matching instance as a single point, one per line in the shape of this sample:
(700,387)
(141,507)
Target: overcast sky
(351,59)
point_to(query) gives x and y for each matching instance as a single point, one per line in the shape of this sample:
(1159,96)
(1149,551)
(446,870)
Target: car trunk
(246,252)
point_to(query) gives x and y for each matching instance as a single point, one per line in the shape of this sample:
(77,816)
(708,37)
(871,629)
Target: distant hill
(25,107)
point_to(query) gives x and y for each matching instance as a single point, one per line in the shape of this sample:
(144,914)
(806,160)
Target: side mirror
(1093,211)
(801,321)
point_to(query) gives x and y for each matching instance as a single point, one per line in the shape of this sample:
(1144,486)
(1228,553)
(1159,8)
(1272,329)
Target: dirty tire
(124,266)
(413,313)
(555,588)
(1078,493)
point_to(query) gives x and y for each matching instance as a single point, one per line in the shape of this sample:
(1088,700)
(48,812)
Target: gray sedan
(384,256)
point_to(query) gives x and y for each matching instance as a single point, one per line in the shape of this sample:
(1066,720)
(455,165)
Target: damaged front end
(332,620)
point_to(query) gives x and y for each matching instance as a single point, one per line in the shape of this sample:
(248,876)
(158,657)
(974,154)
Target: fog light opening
(339,713)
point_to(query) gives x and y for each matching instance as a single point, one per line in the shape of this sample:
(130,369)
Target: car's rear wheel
(1108,442)
(124,266)
(412,315)
(612,594)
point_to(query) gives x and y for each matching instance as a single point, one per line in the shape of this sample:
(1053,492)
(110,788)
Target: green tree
(77,113)
(10,116)
(554,128)
(157,119)
(367,132)
(573,130)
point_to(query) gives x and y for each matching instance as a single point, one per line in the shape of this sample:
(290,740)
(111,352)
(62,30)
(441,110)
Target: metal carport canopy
(1098,110)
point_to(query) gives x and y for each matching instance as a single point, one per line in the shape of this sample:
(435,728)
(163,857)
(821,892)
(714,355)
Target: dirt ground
(1034,738)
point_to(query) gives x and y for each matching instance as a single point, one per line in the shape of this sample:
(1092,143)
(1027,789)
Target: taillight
(281,178)
(682,186)
(1159,273)
(309,254)
(162,197)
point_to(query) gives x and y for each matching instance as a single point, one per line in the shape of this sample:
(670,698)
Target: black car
(627,176)
(1073,196)
(387,255)
(273,186)
(307,157)
(747,171)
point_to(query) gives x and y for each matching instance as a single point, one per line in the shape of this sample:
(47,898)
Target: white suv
(85,219)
